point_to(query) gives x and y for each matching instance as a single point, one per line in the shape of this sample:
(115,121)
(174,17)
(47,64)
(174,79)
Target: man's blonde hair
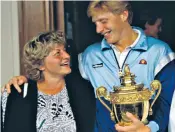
(116,7)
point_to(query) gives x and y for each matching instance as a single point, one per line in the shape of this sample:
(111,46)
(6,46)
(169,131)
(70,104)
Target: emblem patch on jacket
(142,61)
(97,65)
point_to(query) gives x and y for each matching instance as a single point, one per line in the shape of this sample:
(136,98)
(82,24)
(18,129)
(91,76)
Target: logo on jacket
(142,61)
(97,65)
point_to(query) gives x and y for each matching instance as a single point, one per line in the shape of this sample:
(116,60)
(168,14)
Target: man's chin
(109,41)
(68,72)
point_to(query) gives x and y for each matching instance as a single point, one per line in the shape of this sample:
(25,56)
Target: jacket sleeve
(161,108)
(171,125)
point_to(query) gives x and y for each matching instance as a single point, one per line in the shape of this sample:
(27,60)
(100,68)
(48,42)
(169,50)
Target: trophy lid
(128,81)
(129,91)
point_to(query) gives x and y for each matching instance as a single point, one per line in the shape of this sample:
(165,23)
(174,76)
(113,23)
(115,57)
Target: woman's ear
(41,68)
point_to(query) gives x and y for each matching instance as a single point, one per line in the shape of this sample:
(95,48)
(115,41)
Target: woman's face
(57,63)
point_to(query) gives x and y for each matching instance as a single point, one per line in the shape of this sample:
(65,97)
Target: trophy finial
(127,79)
(127,70)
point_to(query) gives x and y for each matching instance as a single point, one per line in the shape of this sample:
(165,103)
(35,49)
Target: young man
(148,59)
(102,62)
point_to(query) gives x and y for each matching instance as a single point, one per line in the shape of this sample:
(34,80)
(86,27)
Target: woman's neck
(51,86)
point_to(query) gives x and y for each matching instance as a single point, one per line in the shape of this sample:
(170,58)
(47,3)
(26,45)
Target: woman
(49,102)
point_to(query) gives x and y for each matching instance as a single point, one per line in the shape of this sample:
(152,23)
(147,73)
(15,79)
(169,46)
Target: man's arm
(16,81)
(161,108)
(171,126)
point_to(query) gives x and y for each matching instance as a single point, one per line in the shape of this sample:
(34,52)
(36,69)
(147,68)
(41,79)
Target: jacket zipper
(120,68)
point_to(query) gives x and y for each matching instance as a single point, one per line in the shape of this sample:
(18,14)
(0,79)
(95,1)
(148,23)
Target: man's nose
(99,28)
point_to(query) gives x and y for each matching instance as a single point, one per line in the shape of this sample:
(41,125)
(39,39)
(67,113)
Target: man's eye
(103,22)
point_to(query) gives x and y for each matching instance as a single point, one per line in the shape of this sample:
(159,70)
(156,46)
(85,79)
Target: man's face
(109,25)
(154,29)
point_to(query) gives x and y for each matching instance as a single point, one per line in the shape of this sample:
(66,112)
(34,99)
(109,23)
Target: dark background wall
(165,9)
(84,30)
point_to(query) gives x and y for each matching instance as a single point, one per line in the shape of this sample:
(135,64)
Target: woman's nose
(66,55)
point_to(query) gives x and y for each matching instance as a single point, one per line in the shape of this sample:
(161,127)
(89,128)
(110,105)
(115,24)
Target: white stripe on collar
(25,90)
(163,62)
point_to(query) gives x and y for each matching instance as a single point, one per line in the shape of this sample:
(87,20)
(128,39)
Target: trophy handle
(102,92)
(115,111)
(155,85)
(145,111)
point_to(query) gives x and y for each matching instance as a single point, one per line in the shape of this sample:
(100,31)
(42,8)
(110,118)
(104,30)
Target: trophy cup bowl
(129,97)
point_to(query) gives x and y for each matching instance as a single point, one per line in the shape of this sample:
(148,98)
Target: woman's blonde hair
(116,7)
(37,49)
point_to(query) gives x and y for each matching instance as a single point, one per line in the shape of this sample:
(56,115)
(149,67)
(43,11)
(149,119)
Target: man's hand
(16,81)
(136,126)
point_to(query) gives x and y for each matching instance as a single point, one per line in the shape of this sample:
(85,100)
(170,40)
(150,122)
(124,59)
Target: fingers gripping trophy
(130,97)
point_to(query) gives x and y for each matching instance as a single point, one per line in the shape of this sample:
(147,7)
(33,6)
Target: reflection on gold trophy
(129,97)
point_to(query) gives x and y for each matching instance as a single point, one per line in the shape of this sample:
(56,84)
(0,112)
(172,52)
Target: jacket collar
(140,45)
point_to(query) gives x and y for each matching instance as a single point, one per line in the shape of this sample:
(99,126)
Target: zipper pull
(120,72)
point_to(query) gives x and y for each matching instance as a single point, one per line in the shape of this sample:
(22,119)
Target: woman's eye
(57,54)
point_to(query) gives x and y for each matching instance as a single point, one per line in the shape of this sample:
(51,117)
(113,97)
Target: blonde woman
(49,102)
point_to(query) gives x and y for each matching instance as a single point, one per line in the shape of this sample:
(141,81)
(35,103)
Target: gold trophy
(129,97)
